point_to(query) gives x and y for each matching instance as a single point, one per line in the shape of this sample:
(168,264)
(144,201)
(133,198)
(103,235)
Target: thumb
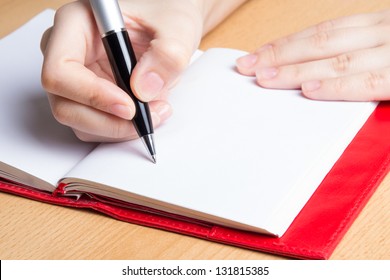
(159,67)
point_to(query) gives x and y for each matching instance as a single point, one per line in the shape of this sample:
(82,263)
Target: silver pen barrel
(108,16)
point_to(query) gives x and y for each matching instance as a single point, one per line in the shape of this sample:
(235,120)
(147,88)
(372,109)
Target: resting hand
(342,59)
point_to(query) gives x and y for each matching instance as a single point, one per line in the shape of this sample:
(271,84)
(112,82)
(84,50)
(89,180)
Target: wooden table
(34,230)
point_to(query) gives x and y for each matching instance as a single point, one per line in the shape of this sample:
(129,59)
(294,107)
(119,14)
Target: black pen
(121,55)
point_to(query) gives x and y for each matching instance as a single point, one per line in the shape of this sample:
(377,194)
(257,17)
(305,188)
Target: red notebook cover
(317,229)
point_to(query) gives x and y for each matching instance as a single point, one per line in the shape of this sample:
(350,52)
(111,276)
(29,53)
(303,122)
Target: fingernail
(311,86)
(266,73)
(122,111)
(247,61)
(149,86)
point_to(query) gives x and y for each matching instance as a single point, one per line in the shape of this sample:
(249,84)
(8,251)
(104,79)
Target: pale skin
(343,59)
(77,76)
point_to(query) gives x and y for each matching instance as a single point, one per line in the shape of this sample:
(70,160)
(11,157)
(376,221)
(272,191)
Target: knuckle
(296,72)
(89,94)
(117,129)
(284,40)
(339,85)
(373,81)
(66,10)
(176,54)
(325,26)
(95,100)
(341,63)
(320,39)
(62,113)
(273,53)
(49,80)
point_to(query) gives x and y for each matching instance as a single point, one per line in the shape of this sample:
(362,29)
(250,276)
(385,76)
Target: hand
(342,59)
(77,76)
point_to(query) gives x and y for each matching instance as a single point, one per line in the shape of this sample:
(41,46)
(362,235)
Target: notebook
(236,163)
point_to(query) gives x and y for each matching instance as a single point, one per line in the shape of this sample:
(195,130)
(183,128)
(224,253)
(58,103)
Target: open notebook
(233,154)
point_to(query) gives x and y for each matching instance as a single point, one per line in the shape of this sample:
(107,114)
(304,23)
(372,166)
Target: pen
(122,59)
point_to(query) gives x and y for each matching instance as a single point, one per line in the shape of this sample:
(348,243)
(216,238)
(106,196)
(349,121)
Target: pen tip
(149,145)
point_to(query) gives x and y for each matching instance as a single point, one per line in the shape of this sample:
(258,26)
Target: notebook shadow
(39,123)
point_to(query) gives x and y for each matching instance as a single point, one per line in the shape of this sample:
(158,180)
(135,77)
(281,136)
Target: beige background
(34,230)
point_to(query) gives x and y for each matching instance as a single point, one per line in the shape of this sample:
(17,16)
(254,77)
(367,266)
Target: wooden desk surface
(34,230)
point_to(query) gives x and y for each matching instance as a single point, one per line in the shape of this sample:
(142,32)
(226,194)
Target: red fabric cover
(318,228)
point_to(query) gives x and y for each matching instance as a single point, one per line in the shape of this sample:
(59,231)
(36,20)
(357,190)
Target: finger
(175,38)
(159,68)
(353,21)
(72,46)
(292,76)
(368,86)
(90,124)
(319,46)
(319,35)
(90,121)
(86,137)
(75,82)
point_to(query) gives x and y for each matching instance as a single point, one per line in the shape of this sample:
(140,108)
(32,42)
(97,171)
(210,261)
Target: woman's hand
(78,78)
(342,59)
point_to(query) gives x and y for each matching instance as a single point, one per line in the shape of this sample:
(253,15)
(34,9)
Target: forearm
(214,11)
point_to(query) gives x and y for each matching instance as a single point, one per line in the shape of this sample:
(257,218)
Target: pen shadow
(39,125)
(137,152)
(132,147)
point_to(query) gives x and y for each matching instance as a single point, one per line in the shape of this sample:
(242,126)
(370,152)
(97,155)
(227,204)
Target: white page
(232,149)
(31,139)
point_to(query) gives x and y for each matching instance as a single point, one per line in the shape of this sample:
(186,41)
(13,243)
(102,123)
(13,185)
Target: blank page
(232,152)
(31,139)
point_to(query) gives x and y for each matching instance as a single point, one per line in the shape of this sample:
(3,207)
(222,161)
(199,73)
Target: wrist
(213,12)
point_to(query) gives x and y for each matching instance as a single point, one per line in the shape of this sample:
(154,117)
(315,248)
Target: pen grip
(122,60)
